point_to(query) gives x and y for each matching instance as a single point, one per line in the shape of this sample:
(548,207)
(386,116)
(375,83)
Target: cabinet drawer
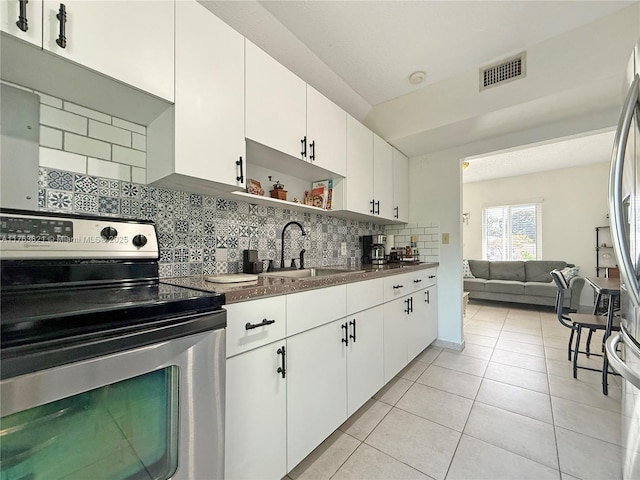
(363,295)
(421,279)
(241,317)
(397,286)
(310,309)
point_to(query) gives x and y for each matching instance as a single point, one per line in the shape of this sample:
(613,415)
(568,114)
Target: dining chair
(576,322)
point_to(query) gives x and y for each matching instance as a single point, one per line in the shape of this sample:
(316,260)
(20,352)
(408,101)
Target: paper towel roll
(389,244)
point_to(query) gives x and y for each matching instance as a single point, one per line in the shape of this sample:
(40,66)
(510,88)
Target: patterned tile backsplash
(204,234)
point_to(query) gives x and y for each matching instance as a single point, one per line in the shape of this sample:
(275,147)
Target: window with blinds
(511,232)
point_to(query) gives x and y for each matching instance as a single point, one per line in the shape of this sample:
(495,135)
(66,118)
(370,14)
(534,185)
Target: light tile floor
(506,407)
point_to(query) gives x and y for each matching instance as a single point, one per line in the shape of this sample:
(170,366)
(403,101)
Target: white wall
(574,203)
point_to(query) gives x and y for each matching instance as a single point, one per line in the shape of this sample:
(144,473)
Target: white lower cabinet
(256,414)
(299,365)
(316,388)
(365,368)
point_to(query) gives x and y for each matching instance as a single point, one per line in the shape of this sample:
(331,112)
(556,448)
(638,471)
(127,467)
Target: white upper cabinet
(199,143)
(22,20)
(400,186)
(276,110)
(130,41)
(358,192)
(326,133)
(382,178)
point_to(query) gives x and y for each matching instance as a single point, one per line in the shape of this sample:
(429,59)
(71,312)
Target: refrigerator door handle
(618,230)
(617,363)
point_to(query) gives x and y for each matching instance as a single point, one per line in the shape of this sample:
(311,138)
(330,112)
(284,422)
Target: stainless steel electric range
(105,371)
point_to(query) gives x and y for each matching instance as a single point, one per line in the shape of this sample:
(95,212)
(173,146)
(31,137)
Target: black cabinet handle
(241,177)
(378,204)
(432,276)
(23,23)
(251,326)
(62,18)
(395,287)
(304,147)
(397,213)
(353,337)
(408,310)
(345,340)
(417,281)
(428,299)
(411,304)
(373,206)
(283,369)
(312,147)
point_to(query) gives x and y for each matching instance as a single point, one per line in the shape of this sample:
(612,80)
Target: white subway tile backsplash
(100,168)
(135,158)
(60,160)
(50,137)
(87,146)
(139,142)
(109,133)
(138,175)
(118,122)
(69,122)
(49,100)
(87,112)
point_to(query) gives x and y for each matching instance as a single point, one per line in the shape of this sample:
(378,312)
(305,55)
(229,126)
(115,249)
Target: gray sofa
(521,282)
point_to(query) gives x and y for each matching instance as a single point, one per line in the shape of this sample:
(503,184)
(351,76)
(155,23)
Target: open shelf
(274,202)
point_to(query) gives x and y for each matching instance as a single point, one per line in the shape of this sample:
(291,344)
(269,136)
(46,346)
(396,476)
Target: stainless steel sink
(308,272)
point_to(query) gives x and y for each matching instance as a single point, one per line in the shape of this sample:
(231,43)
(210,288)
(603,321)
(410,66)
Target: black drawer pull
(378,210)
(373,206)
(417,281)
(312,146)
(304,147)
(283,369)
(397,214)
(23,23)
(62,18)
(395,287)
(241,177)
(432,276)
(251,326)
(428,299)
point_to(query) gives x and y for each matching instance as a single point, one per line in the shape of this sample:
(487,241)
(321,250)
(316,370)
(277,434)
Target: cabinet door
(422,323)
(359,181)
(209,111)
(395,337)
(130,41)
(316,388)
(255,415)
(9,18)
(326,133)
(276,112)
(365,367)
(400,186)
(383,178)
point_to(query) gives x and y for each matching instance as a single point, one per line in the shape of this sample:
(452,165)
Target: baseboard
(450,345)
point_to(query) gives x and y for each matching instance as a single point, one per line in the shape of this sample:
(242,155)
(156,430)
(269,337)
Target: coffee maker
(373,249)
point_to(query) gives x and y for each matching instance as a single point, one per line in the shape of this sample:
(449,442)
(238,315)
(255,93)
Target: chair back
(562,285)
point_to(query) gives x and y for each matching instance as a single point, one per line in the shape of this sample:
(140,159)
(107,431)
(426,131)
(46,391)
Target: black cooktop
(34,315)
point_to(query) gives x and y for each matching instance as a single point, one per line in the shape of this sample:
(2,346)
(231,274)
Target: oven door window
(126,430)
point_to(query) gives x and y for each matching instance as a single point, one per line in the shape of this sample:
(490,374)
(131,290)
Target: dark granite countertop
(268,286)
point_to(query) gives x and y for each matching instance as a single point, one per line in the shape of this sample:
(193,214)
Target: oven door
(152,412)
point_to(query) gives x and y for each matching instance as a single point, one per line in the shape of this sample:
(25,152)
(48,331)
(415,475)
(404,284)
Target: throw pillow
(570,272)
(466,270)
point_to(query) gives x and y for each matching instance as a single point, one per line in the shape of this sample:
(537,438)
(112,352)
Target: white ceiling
(563,154)
(360,53)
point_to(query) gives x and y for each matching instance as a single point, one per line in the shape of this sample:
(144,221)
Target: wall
(574,202)
(92,163)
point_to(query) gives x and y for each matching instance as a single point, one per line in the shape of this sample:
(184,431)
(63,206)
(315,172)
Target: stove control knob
(139,241)
(109,233)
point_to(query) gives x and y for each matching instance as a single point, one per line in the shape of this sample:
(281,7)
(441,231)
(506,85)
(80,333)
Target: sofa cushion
(474,284)
(479,268)
(466,271)
(507,270)
(539,289)
(505,286)
(569,272)
(538,270)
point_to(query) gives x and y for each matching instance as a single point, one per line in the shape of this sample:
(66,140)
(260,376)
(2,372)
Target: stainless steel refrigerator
(623,348)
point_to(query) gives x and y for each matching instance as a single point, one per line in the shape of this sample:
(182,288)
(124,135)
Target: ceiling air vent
(503,71)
